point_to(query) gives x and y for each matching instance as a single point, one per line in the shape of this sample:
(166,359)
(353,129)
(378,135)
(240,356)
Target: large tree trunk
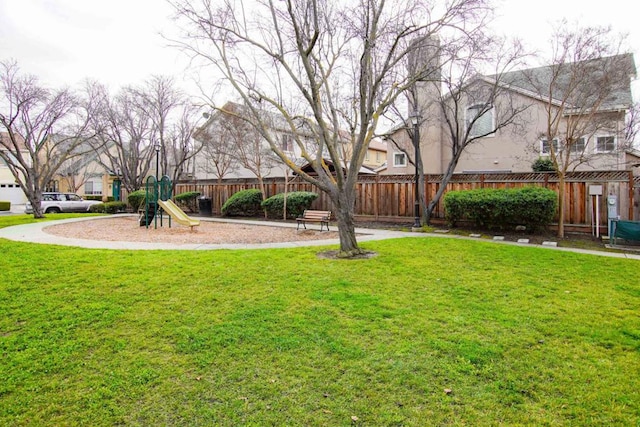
(561,196)
(344,204)
(443,186)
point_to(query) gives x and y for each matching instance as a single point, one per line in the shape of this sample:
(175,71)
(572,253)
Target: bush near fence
(243,203)
(297,203)
(532,207)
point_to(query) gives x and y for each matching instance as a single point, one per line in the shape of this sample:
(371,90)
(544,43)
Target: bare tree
(632,124)
(335,66)
(216,150)
(123,136)
(172,124)
(460,107)
(585,92)
(43,128)
(75,172)
(180,145)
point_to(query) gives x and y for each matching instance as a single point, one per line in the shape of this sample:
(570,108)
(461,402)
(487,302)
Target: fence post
(631,195)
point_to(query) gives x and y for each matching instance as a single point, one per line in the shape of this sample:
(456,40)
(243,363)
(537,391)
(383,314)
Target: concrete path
(34,233)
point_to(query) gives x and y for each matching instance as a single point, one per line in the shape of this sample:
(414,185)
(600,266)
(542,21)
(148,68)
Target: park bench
(626,230)
(322,217)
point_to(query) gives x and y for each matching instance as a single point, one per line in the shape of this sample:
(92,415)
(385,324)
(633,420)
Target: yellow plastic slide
(178,214)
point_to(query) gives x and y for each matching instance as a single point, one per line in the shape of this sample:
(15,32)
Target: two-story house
(597,142)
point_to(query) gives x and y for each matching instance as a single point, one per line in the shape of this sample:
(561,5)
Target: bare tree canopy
(586,93)
(137,120)
(41,129)
(459,106)
(329,69)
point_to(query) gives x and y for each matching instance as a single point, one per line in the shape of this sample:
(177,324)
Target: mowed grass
(432,331)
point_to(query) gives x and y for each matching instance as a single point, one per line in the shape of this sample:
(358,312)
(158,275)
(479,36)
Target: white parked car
(62,202)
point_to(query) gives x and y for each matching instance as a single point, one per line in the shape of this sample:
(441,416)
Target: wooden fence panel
(392,196)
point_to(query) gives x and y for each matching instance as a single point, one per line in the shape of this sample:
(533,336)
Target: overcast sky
(118,42)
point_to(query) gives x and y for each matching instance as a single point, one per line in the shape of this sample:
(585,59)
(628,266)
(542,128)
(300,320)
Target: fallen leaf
(354,418)
(448,391)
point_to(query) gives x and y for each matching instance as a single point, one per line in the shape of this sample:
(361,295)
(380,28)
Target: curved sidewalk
(34,233)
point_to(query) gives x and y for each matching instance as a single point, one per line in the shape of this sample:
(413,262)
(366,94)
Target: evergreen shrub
(297,202)
(532,207)
(188,200)
(136,199)
(243,203)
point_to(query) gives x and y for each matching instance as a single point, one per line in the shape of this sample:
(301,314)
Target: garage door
(12,193)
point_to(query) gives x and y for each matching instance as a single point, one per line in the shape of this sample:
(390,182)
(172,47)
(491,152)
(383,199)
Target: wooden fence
(390,197)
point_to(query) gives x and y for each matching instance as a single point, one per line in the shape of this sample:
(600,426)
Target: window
(545,147)
(287,143)
(378,156)
(367,156)
(399,160)
(93,187)
(578,146)
(481,115)
(605,144)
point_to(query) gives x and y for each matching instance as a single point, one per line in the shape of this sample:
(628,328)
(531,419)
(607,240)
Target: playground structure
(157,201)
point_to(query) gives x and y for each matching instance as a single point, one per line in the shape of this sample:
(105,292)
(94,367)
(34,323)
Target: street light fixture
(415,137)
(157,147)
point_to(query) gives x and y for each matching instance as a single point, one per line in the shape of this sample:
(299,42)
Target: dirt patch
(127,229)
(334,255)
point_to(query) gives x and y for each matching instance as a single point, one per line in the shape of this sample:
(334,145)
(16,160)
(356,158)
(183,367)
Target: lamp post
(415,121)
(157,147)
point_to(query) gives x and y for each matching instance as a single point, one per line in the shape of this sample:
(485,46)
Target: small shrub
(543,165)
(114,207)
(188,200)
(297,202)
(136,199)
(243,203)
(98,208)
(5,206)
(532,207)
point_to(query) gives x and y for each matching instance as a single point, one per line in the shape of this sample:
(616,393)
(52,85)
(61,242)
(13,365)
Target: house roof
(378,144)
(6,142)
(537,81)
(309,169)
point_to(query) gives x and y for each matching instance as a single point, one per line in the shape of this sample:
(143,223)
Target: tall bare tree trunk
(344,203)
(561,197)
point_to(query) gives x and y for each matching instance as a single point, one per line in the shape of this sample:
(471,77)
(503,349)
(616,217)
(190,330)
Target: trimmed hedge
(297,202)
(532,207)
(109,207)
(98,198)
(188,199)
(136,199)
(243,203)
(5,206)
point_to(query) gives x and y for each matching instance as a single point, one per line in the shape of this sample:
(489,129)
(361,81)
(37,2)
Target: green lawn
(519,335)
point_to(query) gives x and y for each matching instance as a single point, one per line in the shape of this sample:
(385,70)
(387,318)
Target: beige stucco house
(515,147)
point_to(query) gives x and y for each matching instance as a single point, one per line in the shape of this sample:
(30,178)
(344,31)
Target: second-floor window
(605,144)
(480,118)
(545,147)
(578,146)
(399,160)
